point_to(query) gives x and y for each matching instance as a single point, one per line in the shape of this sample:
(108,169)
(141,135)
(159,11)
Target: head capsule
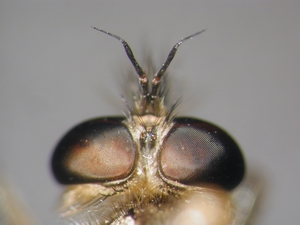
(183,150)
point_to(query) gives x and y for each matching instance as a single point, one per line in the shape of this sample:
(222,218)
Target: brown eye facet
(98,150)
(195,151)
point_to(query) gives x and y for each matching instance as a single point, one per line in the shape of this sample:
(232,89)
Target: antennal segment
(157,78)
(142,77)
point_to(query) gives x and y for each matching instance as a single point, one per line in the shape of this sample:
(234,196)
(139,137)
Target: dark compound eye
(195,151)
(98,150)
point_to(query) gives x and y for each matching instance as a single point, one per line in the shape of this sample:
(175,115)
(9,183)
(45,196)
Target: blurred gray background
(242,74)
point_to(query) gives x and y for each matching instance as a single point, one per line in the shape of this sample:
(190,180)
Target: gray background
(242,73)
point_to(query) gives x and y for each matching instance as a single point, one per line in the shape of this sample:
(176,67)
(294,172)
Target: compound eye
(99,150)
(198,152)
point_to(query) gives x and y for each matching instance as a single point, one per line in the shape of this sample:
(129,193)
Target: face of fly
(149,167)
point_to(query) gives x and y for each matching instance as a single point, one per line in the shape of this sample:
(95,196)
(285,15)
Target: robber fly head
(131,168)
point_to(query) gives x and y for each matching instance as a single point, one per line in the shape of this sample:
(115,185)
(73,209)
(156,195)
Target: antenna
(157,78)
(142,77)
(148,98)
